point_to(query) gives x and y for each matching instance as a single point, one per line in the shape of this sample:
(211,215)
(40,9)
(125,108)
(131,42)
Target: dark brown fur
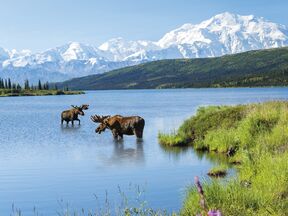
(72,114)
(119,125)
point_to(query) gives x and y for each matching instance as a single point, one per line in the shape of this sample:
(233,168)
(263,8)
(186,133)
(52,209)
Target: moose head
(103,120)
(78,110)
(85,106)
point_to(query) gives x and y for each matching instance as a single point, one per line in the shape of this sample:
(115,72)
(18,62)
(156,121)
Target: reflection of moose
(129,155)
(72,114)
(119,125)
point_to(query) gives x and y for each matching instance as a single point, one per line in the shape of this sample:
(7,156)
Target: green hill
(254,68)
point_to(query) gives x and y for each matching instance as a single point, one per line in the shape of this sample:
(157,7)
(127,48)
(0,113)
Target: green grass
(23,92)
(218,171)
(255,137)
(170,140)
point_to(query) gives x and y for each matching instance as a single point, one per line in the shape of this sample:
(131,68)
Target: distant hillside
(254,68)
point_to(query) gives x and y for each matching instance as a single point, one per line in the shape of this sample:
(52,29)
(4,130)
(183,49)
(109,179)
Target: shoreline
(22,93)
(198,88)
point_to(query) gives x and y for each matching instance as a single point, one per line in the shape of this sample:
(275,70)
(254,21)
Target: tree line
(8,84)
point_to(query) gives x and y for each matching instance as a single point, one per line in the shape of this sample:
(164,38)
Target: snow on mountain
(118,49)
(226,33)
(222,34)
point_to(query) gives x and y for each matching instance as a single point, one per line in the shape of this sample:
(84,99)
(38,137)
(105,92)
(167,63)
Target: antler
(75,107)
(98,119)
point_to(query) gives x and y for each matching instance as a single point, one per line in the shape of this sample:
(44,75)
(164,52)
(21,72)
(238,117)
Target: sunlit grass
(172,139)
(218,171)
(29,92)
(255,137)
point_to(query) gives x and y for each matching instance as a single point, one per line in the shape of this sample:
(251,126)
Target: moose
(120,125)
(72,114)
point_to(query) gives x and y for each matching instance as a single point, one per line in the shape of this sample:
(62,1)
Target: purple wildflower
(202,199)
(214,213)
(201,193)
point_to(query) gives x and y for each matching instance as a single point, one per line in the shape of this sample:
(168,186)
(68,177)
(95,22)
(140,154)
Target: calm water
(45,165)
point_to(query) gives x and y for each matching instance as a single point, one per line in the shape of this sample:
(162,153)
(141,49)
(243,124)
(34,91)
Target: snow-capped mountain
(222,34)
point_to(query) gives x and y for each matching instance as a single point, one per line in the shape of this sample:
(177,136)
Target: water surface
(44,164)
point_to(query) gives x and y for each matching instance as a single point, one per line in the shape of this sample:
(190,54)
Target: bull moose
(72,114)
(120,125)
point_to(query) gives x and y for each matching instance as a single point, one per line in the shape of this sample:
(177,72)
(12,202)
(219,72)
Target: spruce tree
(18,87)
(9,84)
(39,85)
(26,84)
(1,83)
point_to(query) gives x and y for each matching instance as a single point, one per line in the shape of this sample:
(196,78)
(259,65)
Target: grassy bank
(255,137)
(24,92)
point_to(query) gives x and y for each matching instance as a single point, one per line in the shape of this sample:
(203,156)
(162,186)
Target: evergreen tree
(18,87)
(1,83)
(13,86)
(9,84)
(26,85)
(39,85)
(47,86)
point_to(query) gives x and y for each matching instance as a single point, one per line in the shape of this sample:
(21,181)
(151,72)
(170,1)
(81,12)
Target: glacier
(223,34)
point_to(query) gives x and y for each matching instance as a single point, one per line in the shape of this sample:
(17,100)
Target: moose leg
(115,134)
(78,121)
(72,122)
(120,135)
(62,121)
(138,133)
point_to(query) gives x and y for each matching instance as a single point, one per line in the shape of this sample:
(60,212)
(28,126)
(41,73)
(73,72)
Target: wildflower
(202,199)
(201,193)
(214,213)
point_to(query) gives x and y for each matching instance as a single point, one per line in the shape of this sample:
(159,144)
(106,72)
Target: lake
(49,166)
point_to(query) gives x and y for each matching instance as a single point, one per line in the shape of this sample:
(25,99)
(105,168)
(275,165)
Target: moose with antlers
(72,114)
(119,125)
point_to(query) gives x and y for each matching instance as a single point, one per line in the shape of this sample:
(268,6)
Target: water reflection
(175,151)
(128,154)
(213,157)
(124,153)
(69,128)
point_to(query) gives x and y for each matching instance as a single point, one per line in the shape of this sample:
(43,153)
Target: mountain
(220,35)
(267,67)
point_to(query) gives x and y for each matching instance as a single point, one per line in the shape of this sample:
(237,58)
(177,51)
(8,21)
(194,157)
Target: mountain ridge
(267,67)
(222,34)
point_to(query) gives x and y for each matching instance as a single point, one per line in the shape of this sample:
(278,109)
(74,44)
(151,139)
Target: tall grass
(254,136)
(124,205)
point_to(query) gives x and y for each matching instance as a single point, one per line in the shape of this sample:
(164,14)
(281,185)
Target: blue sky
(42,24)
